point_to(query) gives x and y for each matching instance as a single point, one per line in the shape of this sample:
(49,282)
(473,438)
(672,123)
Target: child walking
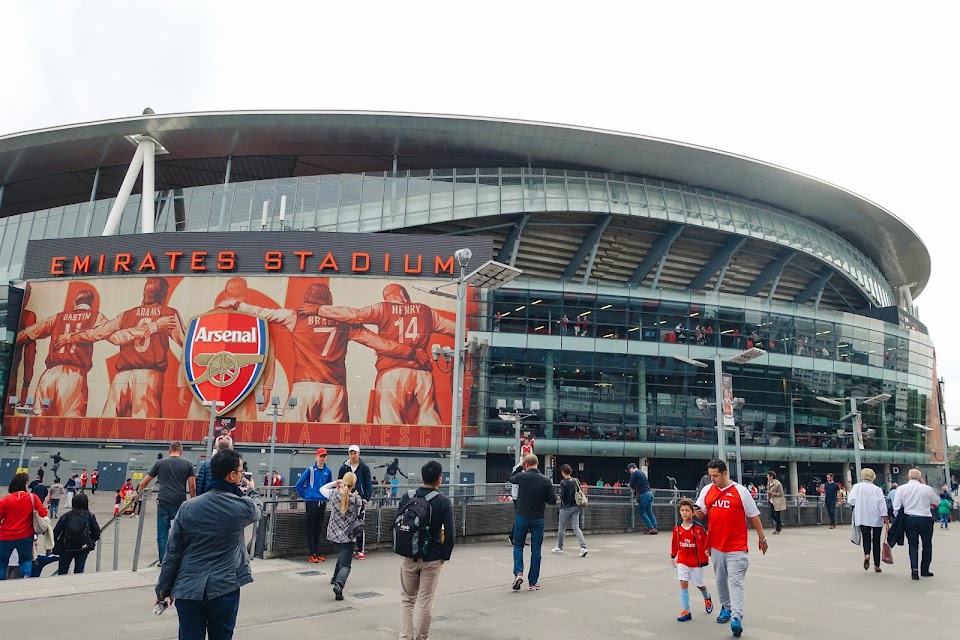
(690,555)
(943,509)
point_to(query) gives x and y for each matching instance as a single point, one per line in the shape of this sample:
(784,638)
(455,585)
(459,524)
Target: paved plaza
(811,584)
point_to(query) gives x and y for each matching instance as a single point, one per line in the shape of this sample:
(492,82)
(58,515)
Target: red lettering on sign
(173,255)
(329,262)
(56,265)
(121,262)
(148,432)
(103,261)
(197,260)
(226,260)
(386,263)
(273,261)
(304,435)
(359,258)
(303,258)
(406,264)
(148,263)
(443,266)
(84,429)
(81,265)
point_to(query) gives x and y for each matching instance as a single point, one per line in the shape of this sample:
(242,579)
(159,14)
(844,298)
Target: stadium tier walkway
(811,584)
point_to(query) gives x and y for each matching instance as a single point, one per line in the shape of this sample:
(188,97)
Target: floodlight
(883,397)
(260,399)
(45,403)
(492,275)
(850,415)
(696,363)
(275,401)
(703,404)
(291,402)
(832,401)
(748,355)
(13,400)
(922,426)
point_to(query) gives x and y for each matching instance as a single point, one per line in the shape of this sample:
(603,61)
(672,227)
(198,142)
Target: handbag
(40,525)
(886,553)
(357,528)
(579,496)
(855,533)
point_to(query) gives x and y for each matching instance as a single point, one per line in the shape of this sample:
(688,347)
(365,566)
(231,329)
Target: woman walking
(76,535)
(870,514)
(16,525)
(345,515)
(778,501)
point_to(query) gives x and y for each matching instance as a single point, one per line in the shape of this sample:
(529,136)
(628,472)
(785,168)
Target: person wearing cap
(308,488)
(640,485)
(364,486)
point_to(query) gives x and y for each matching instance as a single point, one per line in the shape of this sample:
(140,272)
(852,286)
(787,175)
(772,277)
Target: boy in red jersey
(690,555)
(729,505)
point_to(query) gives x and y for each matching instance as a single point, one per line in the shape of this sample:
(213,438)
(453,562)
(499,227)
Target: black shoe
(338,591)
(518,580)
(926,574)
(915,575)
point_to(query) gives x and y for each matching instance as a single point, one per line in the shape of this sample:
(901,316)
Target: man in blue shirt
(640,485)
(830,492)
(308,488)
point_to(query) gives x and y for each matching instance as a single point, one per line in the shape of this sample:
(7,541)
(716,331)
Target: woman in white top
(870,514)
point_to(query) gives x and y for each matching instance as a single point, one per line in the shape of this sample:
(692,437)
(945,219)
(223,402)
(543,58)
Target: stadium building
(634,250)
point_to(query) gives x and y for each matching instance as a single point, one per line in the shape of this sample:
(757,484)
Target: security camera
(463,256)
(435,352)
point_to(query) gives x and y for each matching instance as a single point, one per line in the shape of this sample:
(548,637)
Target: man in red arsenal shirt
(64,382)
(404,391)
(320,350)
(144,335)
(729,505)
(26,352)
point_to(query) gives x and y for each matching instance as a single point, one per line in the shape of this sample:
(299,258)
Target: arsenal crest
(224,355)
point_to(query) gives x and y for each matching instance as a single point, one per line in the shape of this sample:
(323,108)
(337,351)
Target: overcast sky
(861,94)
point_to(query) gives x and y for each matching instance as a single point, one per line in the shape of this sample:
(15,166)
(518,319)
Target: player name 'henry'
(206,335)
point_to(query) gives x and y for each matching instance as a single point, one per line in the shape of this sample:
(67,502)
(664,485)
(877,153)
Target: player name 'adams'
(205,335)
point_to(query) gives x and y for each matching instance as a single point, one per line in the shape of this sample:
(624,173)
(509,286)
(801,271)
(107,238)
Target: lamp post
(274,414)
(213,405)
(946,448)
(491,275)
(857,423)
(718,360)
(26,409)
(516,417)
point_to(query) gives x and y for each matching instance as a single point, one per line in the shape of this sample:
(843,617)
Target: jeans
(871,538)
(214,618)
(54,507)
(521,526)
(571,515)
(832,511)
(418,584)
(79,561)
(945,519)
(730,569)
(920,528)
(165,516)
(315,511)
(645,507)
(344,563)
(24,547)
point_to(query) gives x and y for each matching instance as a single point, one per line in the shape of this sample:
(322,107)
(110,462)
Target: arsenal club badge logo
(224,355)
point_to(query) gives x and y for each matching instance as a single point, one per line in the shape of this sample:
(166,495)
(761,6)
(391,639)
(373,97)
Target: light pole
(721,402)
(857,423)
(274,414)
(946,448)
(26,409)
(491,275)
(516,417)
(737,403)
(213,405)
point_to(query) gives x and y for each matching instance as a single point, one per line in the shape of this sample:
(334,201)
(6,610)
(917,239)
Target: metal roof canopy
(890,242)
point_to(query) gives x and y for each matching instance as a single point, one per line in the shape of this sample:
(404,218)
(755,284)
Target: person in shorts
(690,555)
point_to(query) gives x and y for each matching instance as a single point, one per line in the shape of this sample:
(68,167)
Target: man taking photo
(535,492)
(206,561)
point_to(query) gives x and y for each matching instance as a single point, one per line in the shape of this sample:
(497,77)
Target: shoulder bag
(40,525)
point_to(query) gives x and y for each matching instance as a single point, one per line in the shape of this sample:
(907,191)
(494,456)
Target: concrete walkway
(811,584)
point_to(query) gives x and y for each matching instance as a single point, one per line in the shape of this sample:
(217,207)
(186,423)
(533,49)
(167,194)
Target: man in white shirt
(917,499)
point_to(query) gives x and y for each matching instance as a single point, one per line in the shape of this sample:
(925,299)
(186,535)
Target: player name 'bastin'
(205,335)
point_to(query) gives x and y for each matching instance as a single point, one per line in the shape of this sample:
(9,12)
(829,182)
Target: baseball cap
(631,466)
(321,451)
(354,447)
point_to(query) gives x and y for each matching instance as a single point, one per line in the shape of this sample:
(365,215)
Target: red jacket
(16,515)
(689,546)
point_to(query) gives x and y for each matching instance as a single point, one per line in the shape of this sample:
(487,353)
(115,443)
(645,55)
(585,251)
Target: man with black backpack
(424,534)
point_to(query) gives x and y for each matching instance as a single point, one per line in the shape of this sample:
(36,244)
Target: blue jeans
(945,519)
(645,507)
(165,516)
(521,526)
(214,618)
(24,547)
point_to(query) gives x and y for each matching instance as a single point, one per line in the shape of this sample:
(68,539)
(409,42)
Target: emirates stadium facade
(633,250)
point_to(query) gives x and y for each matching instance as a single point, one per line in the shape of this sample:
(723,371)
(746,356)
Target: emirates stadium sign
(224,355)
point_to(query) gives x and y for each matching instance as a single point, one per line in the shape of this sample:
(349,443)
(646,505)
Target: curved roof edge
(889,241)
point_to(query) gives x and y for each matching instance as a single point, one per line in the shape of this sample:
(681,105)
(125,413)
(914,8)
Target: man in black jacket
(419,577)
(364,487)
(535,492)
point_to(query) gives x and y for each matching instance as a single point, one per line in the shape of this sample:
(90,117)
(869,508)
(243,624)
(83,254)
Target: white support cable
(147,214)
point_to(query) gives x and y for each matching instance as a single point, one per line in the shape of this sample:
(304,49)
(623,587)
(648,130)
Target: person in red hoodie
(690,555)
(16,524)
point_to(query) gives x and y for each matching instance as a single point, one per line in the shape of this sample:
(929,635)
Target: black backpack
(76,534)
(411,527)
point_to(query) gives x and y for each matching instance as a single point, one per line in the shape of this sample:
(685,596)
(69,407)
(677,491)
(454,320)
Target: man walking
(206,562)
(640,485)
(917,499)
(535,491)
(830,492)
(569,510)
(364,487)
(175,479)
(419,577)
(308,488)
(728,505)
(56,492)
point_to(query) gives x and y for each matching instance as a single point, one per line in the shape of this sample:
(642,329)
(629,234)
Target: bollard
(136,547)
(116,543)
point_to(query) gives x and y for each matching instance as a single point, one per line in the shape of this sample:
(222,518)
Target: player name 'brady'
(206,335)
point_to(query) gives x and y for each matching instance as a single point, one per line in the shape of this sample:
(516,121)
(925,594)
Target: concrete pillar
(549,397)
(887,475)
(845,474)
(794,477)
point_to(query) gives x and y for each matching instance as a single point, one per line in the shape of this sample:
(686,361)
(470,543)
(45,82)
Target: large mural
(142,358)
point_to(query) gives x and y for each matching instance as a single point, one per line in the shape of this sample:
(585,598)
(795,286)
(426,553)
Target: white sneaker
(557,550)
(583,551)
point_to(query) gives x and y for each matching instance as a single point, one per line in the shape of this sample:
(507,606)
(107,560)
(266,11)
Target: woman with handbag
(870,514)
(346,521)
(76,535)
(18,524)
